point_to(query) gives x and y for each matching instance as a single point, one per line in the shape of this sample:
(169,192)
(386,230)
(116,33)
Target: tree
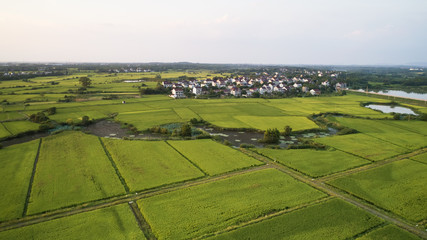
(85,81)
(186,130)
(287,131)
(271,136)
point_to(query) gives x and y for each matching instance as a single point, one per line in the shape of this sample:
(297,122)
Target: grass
(212,157)
(363,145)
(149,164)
(72,169)
(210,207)
(398,187)
(17,165)
(315,163)
(115,222)
(389,232)
(334,219)
(17,127)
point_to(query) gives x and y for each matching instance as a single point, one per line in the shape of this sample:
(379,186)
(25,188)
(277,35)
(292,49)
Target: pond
(390,109)
(399,93)
(236,138)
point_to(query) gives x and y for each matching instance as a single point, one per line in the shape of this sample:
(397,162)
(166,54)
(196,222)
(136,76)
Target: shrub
(51,111)
(186,130)
(85,120)
(245,145)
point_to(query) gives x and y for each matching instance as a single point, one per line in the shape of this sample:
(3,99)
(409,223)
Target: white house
(236,92)
(167,84)
(177,93)
(325,83)
(197,90)
(315,92)
(340,86)
(297,85)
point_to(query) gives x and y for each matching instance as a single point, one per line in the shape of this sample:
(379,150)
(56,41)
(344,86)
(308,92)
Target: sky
(325,32)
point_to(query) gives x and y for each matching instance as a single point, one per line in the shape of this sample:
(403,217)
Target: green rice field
(72,168)
(421,158)
(315,163)
(17,127)
(364,146)
(400,133)
(214,206)
(16,167)
(105,181)
(389,232)
(146,164)
(212,157)
(334,219)
(115,222)
(397,187)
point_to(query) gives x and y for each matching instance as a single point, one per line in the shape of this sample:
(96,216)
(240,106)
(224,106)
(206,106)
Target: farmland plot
(72,168)
(334,219)
(389,232)
(313,162)
(263,123)
(363,146)
(202,209)
(17,127)
(212,157)
(421,158)
(389,131)
(398,187)
(147,119)
(16,167)
(146,164)
(115,222)
(3,131)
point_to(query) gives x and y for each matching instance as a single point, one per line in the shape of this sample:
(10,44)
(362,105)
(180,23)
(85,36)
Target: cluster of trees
(184,131)
(157,90)
(273,135)
(39,117)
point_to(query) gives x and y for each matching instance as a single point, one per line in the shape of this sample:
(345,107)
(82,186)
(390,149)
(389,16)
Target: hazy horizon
(307,32)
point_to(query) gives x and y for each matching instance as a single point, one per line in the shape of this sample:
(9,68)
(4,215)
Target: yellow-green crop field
(75,185)
(213,158)
(72,168)
(213,206)
(115,222)
(396,187)
(333,219)
(150,164)
(17,164)
(315,163)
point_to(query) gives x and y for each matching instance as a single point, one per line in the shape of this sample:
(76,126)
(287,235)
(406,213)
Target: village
(247,87)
